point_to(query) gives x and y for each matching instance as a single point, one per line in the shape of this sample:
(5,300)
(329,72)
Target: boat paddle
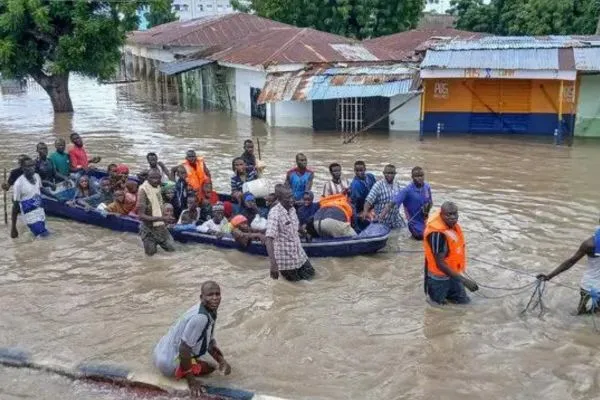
(258,144)
(5,204)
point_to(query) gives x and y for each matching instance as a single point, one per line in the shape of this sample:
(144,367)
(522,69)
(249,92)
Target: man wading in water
(283,243)
(445,258)
(178,353)
(153,230)
(590,281)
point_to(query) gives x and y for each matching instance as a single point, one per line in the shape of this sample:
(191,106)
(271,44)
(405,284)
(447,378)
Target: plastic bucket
(258,187)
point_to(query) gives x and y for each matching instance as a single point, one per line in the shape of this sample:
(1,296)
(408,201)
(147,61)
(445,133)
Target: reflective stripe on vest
(456,258)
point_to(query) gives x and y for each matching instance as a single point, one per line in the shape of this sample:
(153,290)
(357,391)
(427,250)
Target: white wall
(406,118)
(296,114)
(244,80)
(190,9)
(440,6)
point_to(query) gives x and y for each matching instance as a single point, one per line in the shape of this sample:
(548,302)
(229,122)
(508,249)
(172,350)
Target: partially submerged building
(502,85)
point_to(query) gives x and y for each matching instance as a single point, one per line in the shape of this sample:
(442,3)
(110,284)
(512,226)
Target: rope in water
(537,298)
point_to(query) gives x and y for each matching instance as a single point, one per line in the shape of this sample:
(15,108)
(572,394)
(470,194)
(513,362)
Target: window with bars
(350,114)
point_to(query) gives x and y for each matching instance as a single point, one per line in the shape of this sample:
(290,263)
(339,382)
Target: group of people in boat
(183,198)
(187,201)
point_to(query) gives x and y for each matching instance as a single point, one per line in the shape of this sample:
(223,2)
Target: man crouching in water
(178,353)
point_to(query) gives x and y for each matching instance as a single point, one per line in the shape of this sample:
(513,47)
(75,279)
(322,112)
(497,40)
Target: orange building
(500,85)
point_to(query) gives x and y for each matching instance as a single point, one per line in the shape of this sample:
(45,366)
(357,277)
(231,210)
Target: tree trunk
(57,87)
(598,26)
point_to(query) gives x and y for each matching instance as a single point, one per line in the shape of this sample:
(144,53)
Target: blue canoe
(369,241)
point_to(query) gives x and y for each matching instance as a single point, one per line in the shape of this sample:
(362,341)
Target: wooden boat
(369,241)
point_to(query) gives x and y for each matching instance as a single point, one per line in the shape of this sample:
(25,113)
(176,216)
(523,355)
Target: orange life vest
(340,201)
(195,175)
(457,257)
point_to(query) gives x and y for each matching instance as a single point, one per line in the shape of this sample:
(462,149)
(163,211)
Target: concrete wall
(406,118)
(588,108)
(244,80)
(296,114)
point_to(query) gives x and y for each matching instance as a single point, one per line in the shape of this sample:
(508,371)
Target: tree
(160,12)
(49,39)
(358,19)
(528,17)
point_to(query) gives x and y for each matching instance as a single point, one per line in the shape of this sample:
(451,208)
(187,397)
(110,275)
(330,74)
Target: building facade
(507,85)
(191,9)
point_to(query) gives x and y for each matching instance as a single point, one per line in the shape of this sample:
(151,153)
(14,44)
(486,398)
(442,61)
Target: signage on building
(488,73)
(440,90)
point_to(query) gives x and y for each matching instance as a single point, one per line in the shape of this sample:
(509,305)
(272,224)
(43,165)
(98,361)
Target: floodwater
(362,329)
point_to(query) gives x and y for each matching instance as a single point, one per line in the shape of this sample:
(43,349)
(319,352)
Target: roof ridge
(286,45)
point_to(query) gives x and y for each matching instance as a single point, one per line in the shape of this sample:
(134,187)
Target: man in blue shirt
(359,190)
(417,201)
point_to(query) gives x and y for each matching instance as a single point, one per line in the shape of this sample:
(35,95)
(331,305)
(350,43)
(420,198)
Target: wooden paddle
(5,203)
(258,144)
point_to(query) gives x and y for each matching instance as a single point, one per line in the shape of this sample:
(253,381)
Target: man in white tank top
(591,277)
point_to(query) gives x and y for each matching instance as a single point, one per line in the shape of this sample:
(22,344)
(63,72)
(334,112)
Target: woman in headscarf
(84,188)
(242,233)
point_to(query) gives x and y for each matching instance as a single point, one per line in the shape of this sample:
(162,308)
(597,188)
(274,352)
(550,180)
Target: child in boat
(215,225)
(307,209)
(242,233)
(131,189)
(250,210)
(191,215)
(168,212)
(211,197)
(168,193)
(118,205)
(241,176)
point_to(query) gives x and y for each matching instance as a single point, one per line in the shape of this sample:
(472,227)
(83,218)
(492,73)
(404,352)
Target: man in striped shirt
(337,184)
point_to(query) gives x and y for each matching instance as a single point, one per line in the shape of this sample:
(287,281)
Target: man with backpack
(178,353)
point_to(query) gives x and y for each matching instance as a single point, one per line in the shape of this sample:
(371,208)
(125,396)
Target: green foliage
(358,19)
(61,36)
(528,17)
(160,12)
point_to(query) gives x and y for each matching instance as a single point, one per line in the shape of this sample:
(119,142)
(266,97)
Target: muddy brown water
(362,329)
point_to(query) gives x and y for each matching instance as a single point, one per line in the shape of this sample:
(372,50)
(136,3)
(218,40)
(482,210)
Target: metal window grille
(350,114)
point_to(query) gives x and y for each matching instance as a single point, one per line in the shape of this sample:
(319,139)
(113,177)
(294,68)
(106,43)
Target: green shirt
(61,162)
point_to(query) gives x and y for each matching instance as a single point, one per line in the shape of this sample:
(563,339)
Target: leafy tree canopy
(528,17)
(358,19)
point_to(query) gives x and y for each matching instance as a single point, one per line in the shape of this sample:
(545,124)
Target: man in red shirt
(78,156)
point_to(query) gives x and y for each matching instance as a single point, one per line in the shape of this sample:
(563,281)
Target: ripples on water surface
(362,330)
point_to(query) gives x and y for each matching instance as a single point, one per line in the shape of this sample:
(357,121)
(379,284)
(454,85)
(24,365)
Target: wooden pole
(5,203)
(560,111)
(422,112)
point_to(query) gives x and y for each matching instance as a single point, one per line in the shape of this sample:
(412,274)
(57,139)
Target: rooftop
(403,45)
(290,45)
(518,42)
(204,32)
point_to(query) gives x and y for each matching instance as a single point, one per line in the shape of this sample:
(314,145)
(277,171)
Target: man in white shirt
(337,184)
(178,353)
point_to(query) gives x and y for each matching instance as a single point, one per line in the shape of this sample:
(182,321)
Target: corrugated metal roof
(403,44)
(177,67)
(587,59)
(515,42)
(334,83)
(292,45)
(204,32)
(524,59)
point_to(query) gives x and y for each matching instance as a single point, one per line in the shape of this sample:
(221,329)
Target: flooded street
(362,329)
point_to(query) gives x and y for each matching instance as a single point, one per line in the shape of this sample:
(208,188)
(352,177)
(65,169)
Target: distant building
(190,9)
(440,6)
